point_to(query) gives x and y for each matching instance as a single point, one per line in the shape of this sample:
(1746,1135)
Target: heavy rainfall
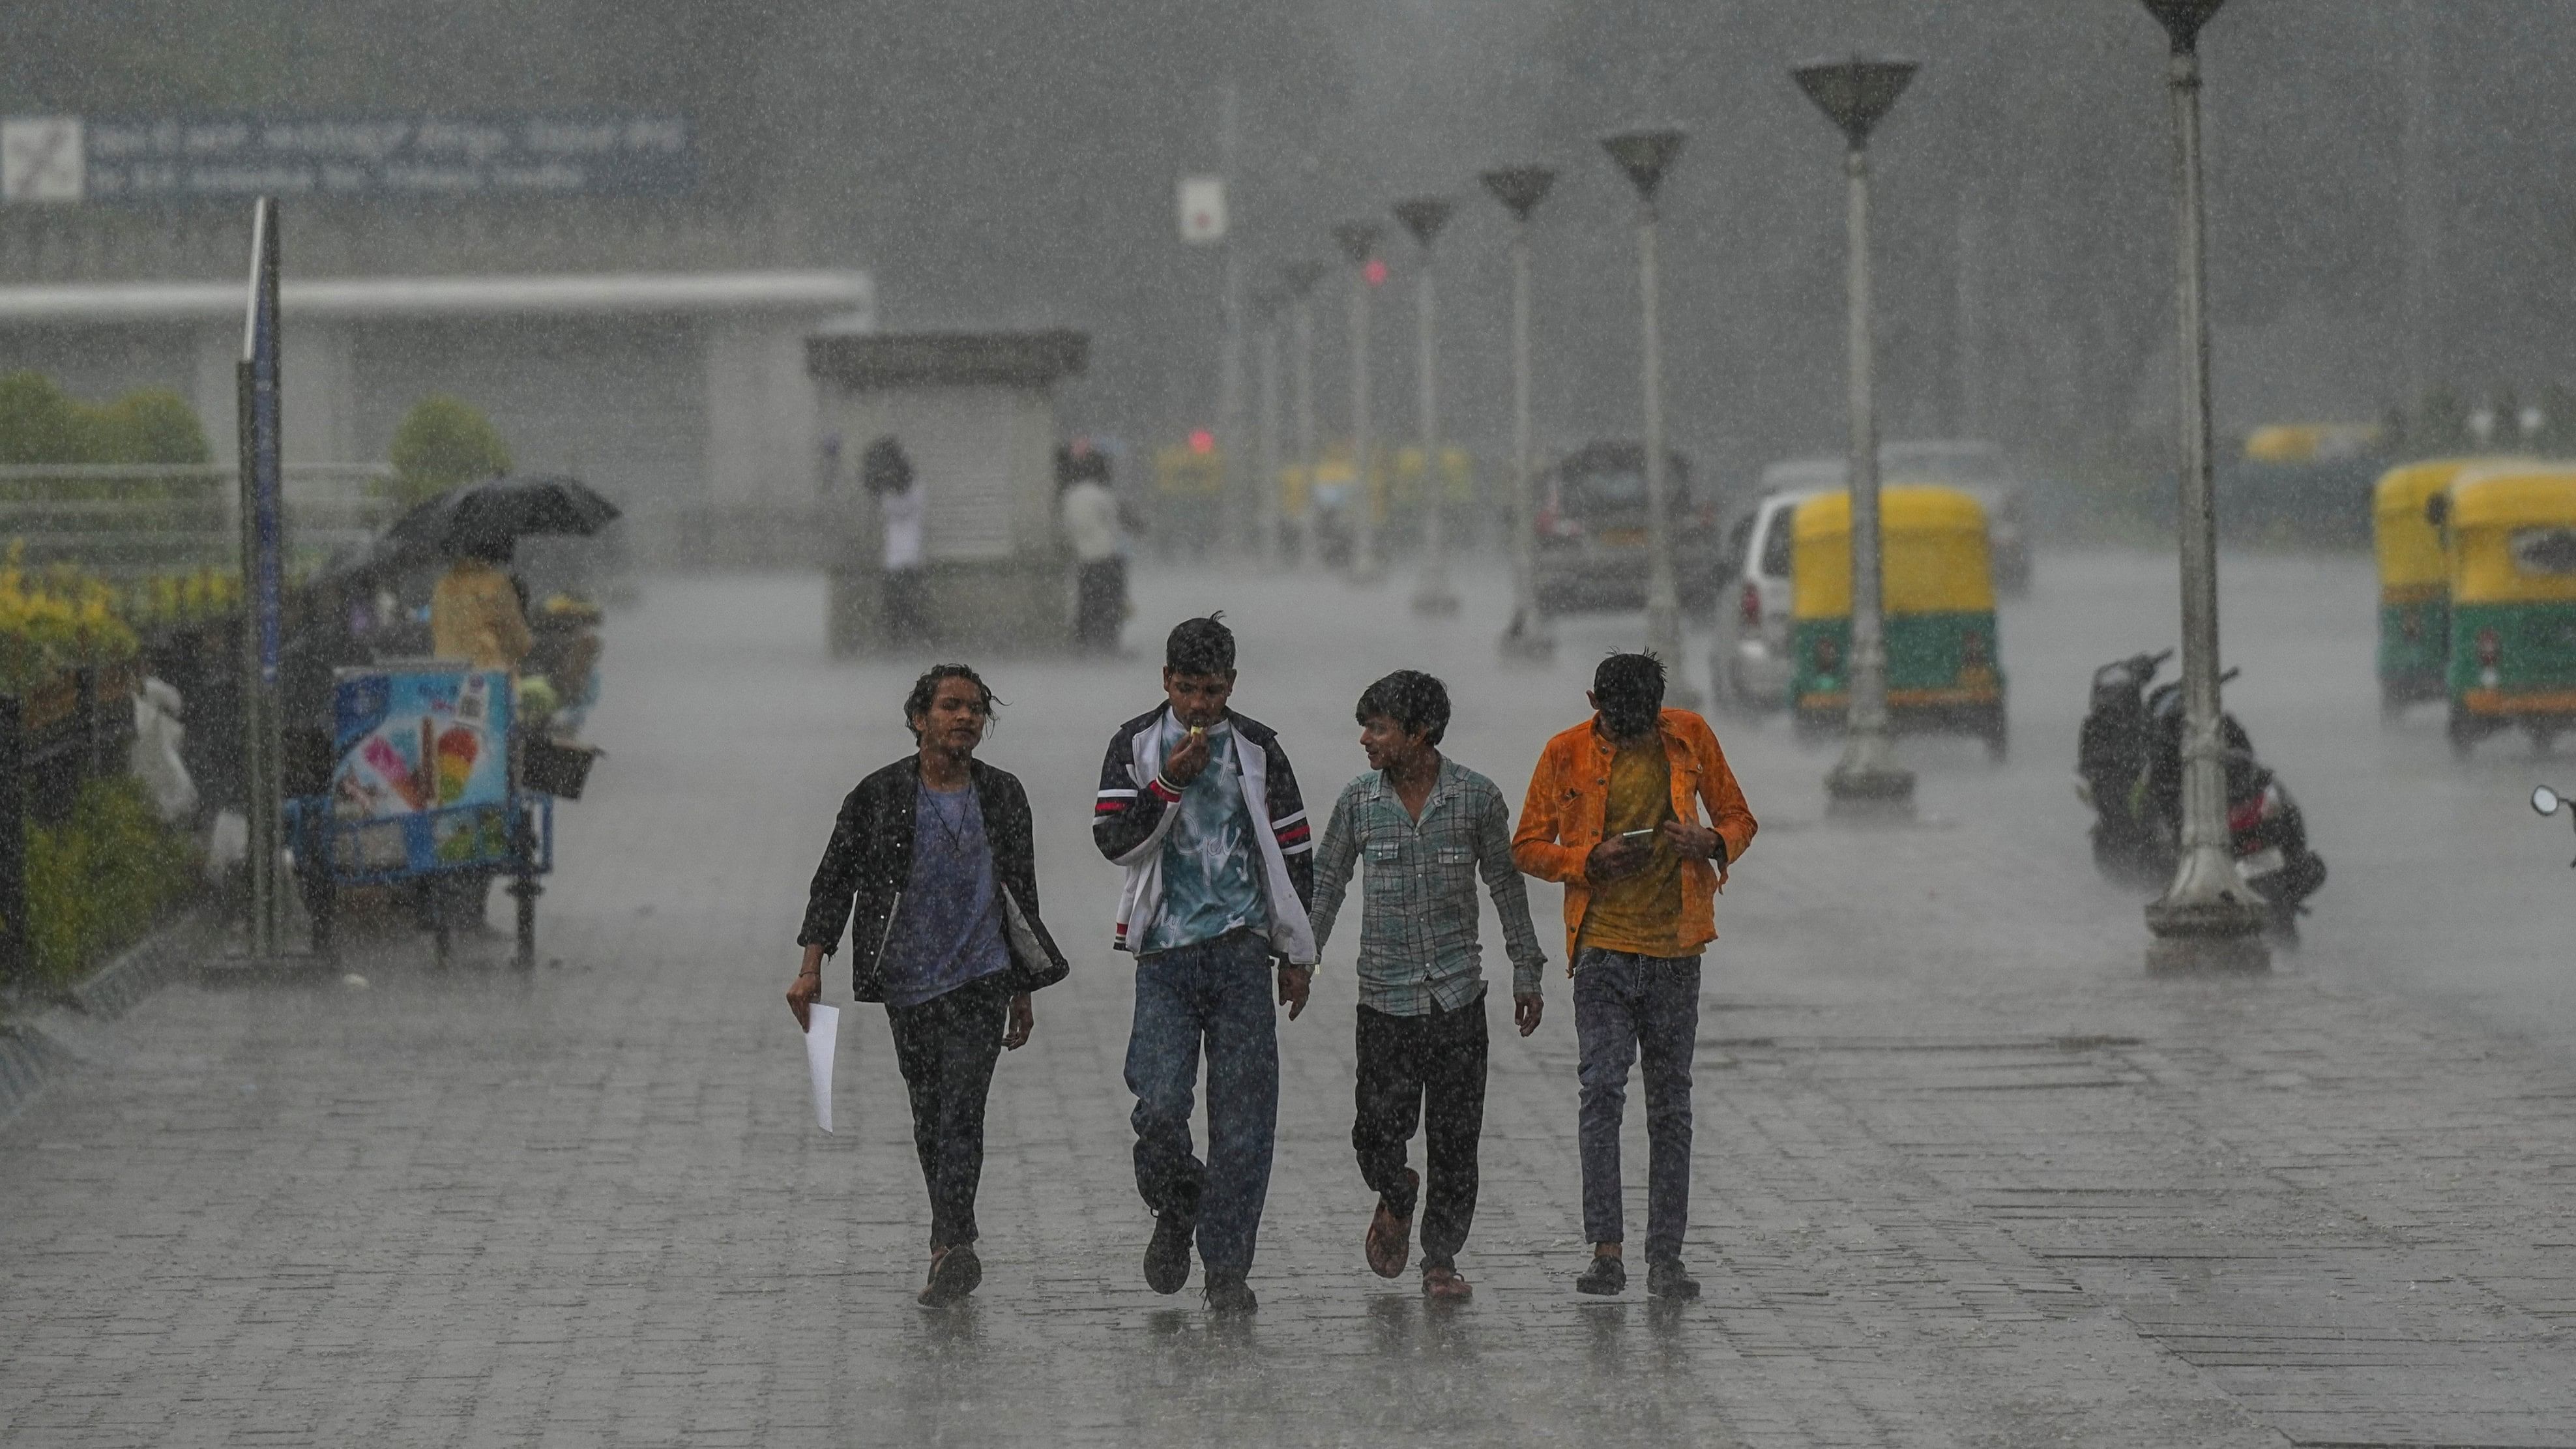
(1113,723)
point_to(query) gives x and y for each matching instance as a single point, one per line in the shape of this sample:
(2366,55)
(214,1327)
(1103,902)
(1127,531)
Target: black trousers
(1427,1069)
(903,612)
(1100,603)
(946,1047)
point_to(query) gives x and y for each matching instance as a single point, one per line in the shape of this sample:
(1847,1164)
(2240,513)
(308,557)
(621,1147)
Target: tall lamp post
(1645,156)
(2208,918)
(1520,189)
(1266,307)
(1424,216)
(1856,95)
(1358,241)
(1301,276)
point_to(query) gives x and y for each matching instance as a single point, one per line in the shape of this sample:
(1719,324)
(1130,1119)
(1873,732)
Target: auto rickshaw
(2510,535)
(2414,584)
(1943,672)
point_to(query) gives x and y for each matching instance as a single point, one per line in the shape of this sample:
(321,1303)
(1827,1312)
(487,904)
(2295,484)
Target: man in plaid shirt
(1428,826)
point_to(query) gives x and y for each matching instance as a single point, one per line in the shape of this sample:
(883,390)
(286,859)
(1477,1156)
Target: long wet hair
(916,705)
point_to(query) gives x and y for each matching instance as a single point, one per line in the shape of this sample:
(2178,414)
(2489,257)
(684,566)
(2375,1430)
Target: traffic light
(1202,441)
(1375,271)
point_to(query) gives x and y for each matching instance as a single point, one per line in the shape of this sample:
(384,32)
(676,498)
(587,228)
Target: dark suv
(1591,547)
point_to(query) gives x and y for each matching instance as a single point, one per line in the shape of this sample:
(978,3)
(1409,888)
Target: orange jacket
(1569,799)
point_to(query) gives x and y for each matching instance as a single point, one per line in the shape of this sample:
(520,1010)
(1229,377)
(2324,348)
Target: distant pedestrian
(1614,812)
(932,869)
(1100,566)
(1200,806)
(1426,826)
(887,473)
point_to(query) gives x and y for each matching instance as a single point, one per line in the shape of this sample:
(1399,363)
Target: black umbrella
(464,518)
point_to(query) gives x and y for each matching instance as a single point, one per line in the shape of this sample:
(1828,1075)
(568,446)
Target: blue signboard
(261,481)
(229,158)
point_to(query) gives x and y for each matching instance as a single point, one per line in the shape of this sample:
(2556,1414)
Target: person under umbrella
(476,613)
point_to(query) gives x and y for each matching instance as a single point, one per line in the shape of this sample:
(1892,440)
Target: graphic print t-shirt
(1210,885)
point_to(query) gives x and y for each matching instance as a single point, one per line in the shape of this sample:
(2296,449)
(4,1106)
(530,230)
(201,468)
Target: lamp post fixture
(1856,95)
(1358,241)
(1520,189)
(1300,277)
(1645,156)
(2208,919)
(1424,216)
(1267,304)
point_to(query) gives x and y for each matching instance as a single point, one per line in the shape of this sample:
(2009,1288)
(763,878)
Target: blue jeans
(1218,992)
(1625,1005)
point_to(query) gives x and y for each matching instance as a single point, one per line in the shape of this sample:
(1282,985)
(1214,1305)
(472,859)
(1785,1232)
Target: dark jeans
(1100,603)
(1626,1005)
(946,1047)
(1431,1069)
(1217,992)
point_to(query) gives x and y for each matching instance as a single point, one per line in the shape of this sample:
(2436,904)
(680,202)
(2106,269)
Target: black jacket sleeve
(1288,821)
(836,881)
(1127,809)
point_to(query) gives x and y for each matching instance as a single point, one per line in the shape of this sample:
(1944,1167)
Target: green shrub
(40,423)
(444,441)
(151,425)
(101,879)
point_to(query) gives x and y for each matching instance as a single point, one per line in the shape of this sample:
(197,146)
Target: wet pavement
(1963,1174)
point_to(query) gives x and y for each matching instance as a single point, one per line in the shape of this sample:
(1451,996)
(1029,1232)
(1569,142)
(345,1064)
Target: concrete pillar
(318,393)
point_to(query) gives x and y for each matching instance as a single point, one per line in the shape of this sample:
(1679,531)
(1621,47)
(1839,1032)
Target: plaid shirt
(1418,946)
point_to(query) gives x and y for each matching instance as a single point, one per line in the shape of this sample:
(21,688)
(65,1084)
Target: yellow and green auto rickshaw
(2414,583)
(1943,672)
(2511,536)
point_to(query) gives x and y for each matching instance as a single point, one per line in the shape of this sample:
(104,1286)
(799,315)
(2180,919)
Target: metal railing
(128,520)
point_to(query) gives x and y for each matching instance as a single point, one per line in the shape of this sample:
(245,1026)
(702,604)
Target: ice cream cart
(428,789)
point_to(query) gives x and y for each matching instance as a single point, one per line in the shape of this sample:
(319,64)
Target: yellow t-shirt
(1640,912)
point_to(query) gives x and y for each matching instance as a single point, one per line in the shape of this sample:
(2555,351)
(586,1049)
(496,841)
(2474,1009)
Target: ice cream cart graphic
(424,789)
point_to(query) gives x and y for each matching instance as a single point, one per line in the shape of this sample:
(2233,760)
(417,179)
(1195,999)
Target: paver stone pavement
(1963,1174)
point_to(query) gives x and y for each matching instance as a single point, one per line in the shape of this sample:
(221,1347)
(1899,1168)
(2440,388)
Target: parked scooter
(2129,770)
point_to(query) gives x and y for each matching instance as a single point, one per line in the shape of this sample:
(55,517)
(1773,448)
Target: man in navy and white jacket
(1199,805)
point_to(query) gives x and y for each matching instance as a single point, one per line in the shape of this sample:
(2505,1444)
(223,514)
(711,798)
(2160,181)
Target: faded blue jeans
(1218,992)
(1626,1006)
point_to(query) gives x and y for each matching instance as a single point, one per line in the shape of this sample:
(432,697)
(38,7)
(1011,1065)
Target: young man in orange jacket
(1614,812)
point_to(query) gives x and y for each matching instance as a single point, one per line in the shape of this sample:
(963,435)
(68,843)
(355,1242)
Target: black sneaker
(1668,1279)
(1167,1258)
(1230,1296)
(1605,1276)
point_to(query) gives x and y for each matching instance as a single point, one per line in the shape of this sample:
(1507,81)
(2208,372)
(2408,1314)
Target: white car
(1750,663)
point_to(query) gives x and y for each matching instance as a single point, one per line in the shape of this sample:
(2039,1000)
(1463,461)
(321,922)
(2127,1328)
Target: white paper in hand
(820,1038)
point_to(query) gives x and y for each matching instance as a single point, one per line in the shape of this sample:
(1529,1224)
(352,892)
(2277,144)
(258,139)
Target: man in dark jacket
(933,869)
(1200,806)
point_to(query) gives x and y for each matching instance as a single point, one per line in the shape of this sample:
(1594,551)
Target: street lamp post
(1301,277)
(1424,216)
(2208,919)
(1358,241)
(1856,95)
(1520,189)
(1645,156)
(1266,307)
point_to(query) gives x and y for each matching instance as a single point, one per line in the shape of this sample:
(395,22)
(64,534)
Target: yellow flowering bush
(54,620)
